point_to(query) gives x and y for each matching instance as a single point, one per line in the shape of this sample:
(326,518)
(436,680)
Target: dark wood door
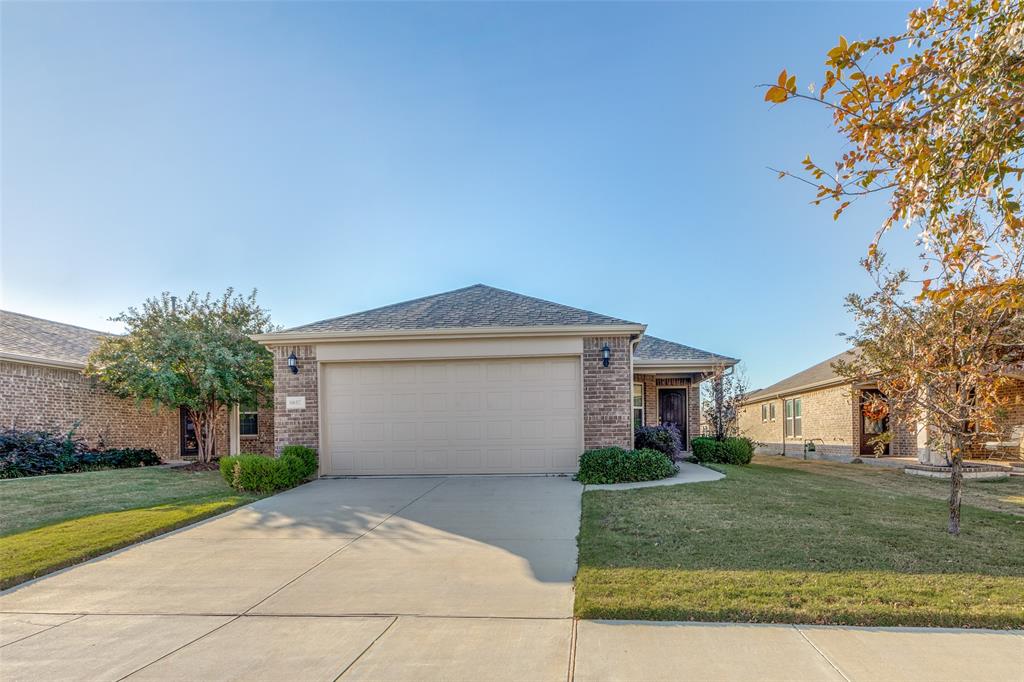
(672,409)
(871,427)
(189,444)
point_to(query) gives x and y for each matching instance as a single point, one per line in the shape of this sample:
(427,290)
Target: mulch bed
(200,466)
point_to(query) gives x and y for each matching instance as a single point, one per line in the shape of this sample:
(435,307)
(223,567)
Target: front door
(189,444)
(869,428)
(672,409)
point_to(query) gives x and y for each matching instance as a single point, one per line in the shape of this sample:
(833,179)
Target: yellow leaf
(782,79)
(776,94)
(791,84)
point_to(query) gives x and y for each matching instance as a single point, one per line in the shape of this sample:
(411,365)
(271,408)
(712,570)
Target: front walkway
(413,578)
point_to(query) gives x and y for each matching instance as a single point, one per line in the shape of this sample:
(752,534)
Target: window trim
(771,411)
(242,411)
(641,407)
(793,416)
(764,413)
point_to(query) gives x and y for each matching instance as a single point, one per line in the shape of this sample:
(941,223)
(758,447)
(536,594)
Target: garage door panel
(435,402)
(496,416)
(404,431)
(435,430)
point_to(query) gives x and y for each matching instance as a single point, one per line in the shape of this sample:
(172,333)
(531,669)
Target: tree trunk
(956,484)
(205,438)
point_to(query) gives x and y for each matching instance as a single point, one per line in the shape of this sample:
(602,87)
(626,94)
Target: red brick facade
(296,426)
(607,393)
(40,397)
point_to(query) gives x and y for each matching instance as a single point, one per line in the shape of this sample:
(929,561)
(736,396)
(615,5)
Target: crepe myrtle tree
(195,353)
(933,121)
(722,392)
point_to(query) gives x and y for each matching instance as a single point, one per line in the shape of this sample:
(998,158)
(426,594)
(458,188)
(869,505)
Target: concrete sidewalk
(160,647)
(628,650)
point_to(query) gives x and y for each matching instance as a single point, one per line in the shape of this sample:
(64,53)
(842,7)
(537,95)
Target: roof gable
(653,349)
(477,306)
(30,337)
(815,375)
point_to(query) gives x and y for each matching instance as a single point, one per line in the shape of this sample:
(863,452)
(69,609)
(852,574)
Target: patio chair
(1007,449)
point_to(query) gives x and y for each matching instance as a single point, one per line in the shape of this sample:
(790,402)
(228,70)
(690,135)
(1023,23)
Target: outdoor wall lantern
(606,354)
(293,363)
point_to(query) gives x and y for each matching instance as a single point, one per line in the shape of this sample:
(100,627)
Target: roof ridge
(385,307)
(546,301)
(480,289)
(63,324)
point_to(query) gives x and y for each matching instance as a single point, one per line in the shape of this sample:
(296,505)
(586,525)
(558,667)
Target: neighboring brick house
(476,380)
(817,405)
(42,387)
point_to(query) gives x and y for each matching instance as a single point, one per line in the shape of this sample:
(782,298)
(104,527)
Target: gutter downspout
(633,342)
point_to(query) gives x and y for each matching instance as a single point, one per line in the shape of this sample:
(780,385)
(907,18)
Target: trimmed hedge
(35,453)
(728,451)
(261,474)
(665,439)
(616,465)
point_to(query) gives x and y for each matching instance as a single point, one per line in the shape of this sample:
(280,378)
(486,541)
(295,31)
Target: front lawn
(804,542)
(49,522)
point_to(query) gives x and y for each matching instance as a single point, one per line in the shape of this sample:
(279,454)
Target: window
(771,411)
(764,412)
(638,404)
(794,418)
(248,422)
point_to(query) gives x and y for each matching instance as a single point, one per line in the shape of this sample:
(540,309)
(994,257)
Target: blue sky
(344,156)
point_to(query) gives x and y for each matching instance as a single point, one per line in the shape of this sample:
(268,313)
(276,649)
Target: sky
(339,157)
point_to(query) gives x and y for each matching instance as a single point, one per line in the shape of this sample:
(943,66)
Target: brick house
(42,387)
(817,405)
(476,380)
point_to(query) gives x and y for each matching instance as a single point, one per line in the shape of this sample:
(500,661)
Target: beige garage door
(452,417)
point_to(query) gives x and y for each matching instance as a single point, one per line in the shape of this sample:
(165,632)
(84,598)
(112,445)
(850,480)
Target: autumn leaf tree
(722,391)
(934,121)
(195,353)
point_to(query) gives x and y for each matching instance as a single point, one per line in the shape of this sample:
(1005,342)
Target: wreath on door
(876,409)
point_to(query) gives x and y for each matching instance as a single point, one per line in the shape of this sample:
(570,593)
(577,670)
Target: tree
(944,362)
(720,403)
(934,118)
(195,353)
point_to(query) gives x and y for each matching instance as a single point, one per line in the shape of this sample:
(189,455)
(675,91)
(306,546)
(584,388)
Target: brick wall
(263,442)
(831,414)
(296,427)
(1011,395)
(607,393)
(651,410)
(828,414)
(36,397)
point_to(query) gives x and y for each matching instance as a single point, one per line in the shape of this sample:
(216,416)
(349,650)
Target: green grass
(27,503)
(804,542)
(50,522)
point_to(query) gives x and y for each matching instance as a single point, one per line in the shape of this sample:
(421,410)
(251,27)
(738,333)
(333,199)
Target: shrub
(665,439)
(118,458)
(308,455)
(38,452)
(616,465)
(728,451)
(262,474)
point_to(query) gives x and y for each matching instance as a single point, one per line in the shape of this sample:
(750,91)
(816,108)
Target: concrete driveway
(416,579)
(370,578)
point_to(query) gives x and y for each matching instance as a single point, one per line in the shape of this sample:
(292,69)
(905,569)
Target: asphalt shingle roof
(33,337)
(475,306)
(653,348)
(812,376)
